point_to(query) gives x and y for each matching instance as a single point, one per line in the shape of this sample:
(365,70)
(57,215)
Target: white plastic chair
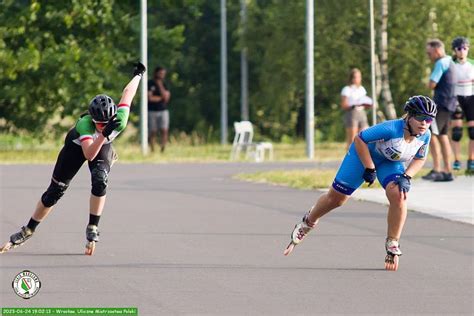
(243,143)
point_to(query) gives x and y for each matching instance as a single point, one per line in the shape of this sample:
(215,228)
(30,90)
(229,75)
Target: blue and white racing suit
(390,153)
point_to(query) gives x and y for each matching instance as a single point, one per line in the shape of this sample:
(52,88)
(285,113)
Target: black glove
(111,125)
(403,182)
(369,176)
(138,69)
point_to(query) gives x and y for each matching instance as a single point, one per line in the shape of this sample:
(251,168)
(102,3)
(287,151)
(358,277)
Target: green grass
(29,150)
(24,149)
(305,179)
(300,179)
(308,179)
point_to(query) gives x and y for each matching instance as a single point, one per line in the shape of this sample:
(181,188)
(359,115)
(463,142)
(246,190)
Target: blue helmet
(419,104)
(102,108)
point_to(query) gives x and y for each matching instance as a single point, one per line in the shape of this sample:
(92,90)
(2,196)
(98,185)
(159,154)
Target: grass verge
(130,152)
(300,179)
(307,179)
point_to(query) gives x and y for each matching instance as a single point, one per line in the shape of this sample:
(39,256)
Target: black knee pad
(471,132)
(54,192)
(456,134)
(99,176)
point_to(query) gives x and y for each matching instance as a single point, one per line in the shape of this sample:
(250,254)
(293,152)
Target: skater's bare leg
(326,203)
(397,214)
(96,204)
(41,211)
(397,211)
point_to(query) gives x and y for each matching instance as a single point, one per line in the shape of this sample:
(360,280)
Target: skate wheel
(6,247)
(289,249)
(90,248)
(391,263)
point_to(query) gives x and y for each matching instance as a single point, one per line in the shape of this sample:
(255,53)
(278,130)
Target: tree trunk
(386,93)
(378,88)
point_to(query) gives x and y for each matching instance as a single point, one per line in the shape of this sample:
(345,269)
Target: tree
(55,56)
(385,81)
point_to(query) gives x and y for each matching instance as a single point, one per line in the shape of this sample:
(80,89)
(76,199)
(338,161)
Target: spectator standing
(464,90)
(353,101)
(158,114)
(442,82)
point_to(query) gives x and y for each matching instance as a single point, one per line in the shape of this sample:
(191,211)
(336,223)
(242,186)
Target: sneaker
(456,165)
(431,175)
(444,177)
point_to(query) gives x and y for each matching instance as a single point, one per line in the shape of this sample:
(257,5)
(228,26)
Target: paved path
(451,200)
(188,239)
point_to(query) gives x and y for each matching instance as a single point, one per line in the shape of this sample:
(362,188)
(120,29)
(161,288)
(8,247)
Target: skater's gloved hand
(112,124)
(403,183)
(369,176)
(139,69)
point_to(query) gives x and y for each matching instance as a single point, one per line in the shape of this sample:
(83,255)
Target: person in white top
(464,90)
(354,101)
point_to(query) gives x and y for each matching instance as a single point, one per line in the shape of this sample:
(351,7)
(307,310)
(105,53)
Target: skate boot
(92,236)
(456,165)
(17,239)
(393,253)
(470,168)
(299,233)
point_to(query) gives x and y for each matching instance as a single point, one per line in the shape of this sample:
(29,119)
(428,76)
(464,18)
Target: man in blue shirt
(442,82)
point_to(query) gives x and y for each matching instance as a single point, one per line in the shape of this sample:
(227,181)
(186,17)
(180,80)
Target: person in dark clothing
(158,114)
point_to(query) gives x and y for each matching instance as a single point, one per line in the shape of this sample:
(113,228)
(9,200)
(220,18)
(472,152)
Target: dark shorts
(467,105)
(443,118)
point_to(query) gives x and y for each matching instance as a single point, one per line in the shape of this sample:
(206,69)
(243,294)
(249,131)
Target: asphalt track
(188,239)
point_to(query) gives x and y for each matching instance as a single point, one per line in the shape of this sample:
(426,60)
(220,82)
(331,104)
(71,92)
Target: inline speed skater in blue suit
(392,152)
